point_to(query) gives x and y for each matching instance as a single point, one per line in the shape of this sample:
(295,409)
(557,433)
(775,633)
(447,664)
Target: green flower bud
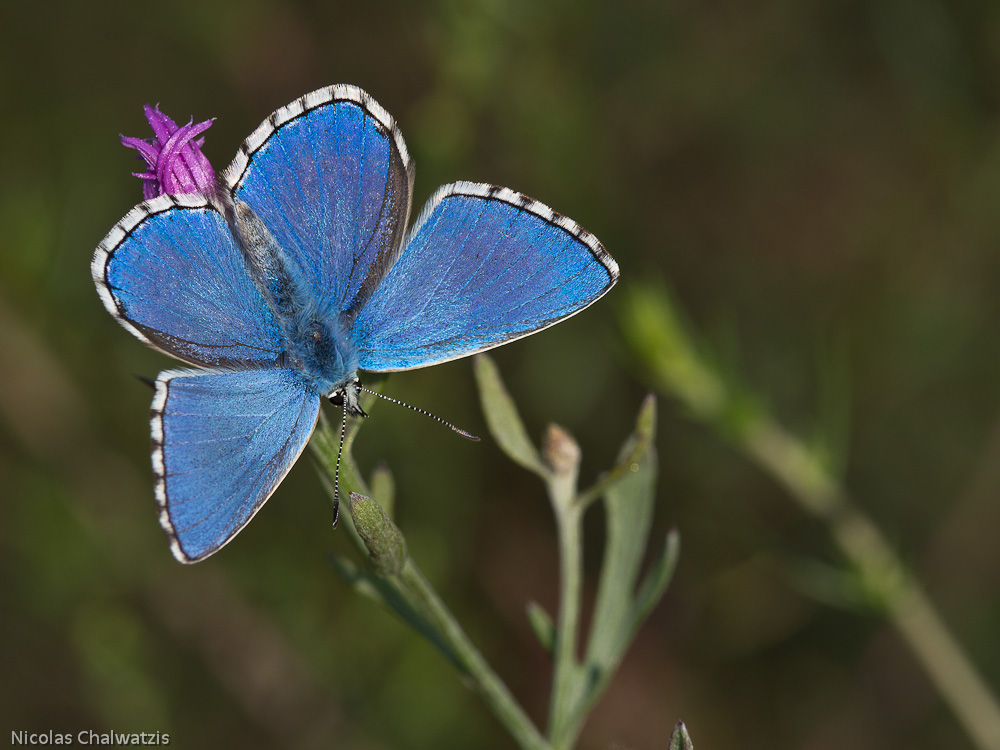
(385,543)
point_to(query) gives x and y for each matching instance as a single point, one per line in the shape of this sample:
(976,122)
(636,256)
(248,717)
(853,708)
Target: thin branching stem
(443,628)
(681,370)
(482,678)
(575,686)
(565,676)
(909,608)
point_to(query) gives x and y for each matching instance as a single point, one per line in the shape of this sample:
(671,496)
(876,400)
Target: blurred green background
(816,182)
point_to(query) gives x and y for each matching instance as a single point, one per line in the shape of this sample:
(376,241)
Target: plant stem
(411,584)
(956,678)
(567,683)
(908,606)
(482,677)
(565,678)
(657,330)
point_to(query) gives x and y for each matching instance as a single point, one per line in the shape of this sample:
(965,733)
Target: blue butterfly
(296,273)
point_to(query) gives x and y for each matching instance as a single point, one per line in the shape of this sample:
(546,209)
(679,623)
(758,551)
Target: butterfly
(295,273)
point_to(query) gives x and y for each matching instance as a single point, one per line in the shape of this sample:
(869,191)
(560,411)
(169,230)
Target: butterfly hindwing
(171,274)
(330,176)
(222,441)
(481,266)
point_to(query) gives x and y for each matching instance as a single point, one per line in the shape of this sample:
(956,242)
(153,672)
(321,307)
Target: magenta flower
(174,159)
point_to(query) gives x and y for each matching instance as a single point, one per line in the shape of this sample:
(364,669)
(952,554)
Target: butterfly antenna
(336,473)
(463,433)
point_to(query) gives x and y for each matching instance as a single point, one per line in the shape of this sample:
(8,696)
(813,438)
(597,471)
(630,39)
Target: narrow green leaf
(834,402)
(502,418)
(658,336)
(324,447)
(356,577)
(324,444)
(542,626)
(628,504)
(629,509)
(387,591)
(383,488)
(635,448)
(831,585)
(645,426)
(679,738)
(655,583)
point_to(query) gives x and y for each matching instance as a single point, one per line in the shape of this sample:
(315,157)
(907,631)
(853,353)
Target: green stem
(657,330)
(411,584)
(483,679)
(563,724)
(907,605)
(956,678)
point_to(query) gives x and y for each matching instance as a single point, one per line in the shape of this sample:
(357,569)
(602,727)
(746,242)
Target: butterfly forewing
(171,273)
(330,176)
(482,266)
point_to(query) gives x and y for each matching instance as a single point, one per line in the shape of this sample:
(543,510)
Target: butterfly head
(348,396)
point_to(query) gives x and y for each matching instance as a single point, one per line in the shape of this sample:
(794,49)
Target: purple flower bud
(173,158)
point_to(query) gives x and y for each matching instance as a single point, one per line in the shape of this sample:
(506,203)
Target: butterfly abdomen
(315,344)
(322,350)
